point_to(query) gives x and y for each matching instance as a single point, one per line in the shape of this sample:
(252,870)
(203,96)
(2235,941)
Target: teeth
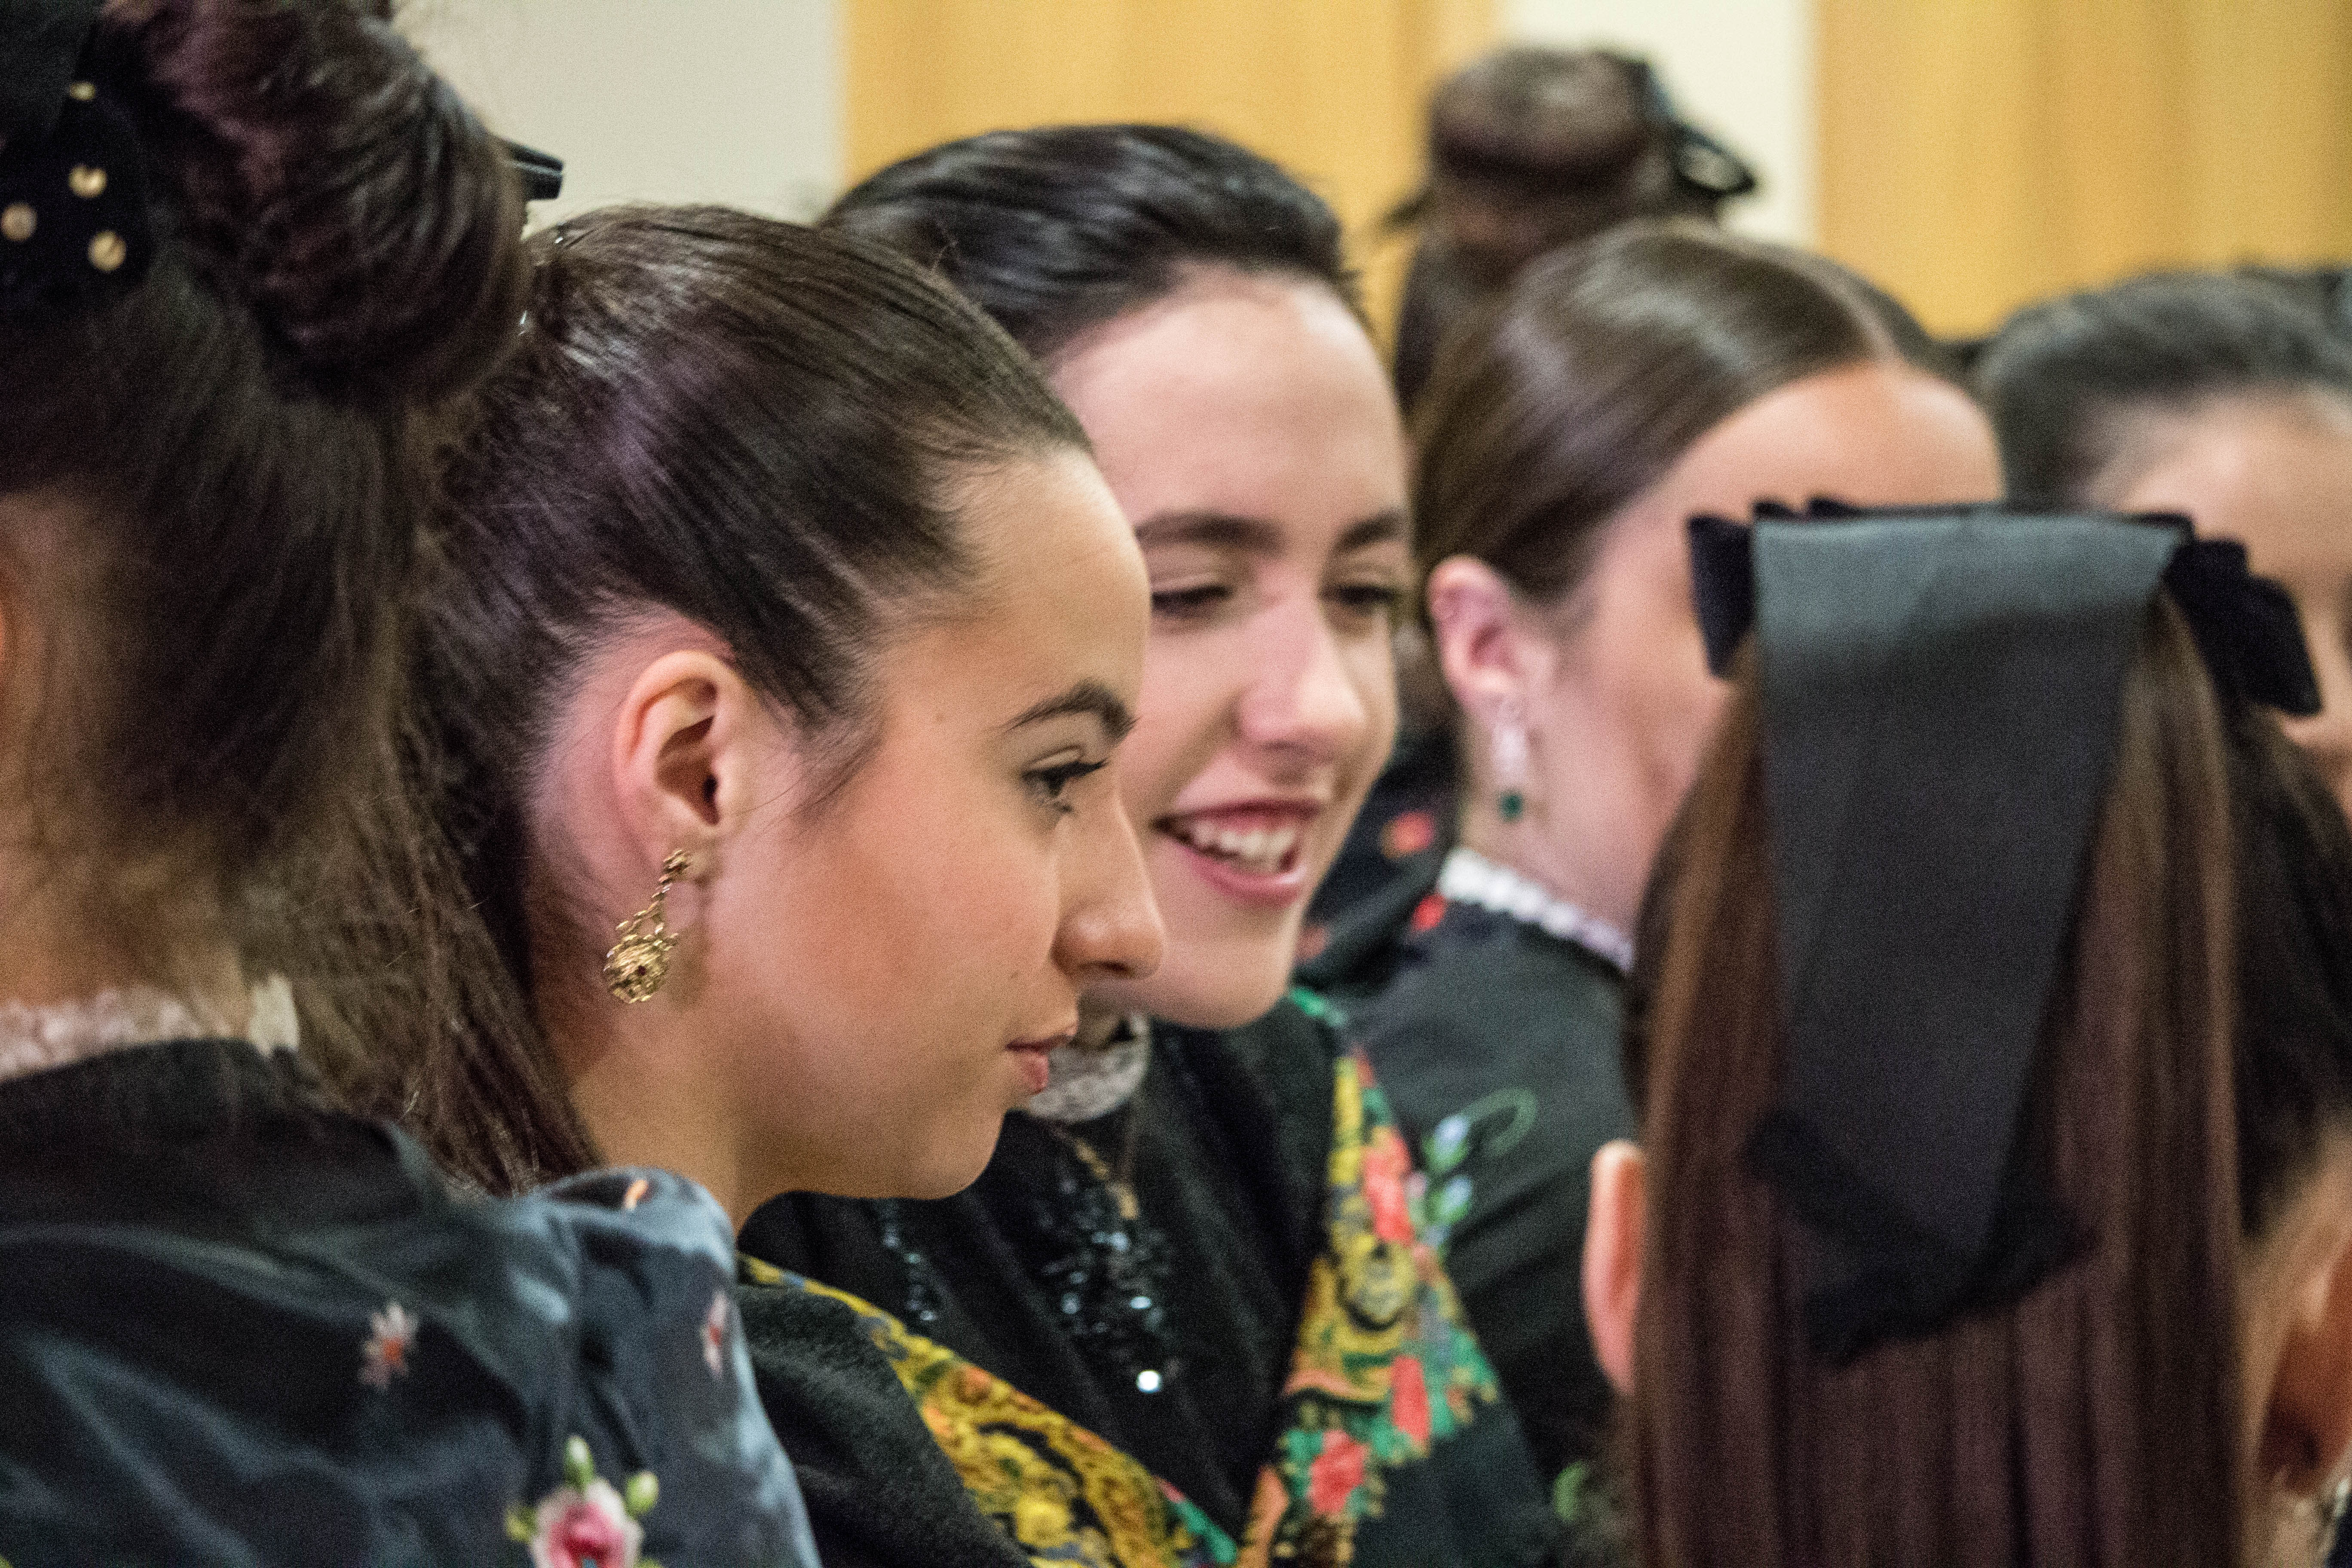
(1262,851)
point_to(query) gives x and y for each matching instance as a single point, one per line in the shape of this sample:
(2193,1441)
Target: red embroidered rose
(1386,1165)
(585,1529)
(1408,833)
(588,1534)
(1409,1399)
(590,1523)
(1335,1473)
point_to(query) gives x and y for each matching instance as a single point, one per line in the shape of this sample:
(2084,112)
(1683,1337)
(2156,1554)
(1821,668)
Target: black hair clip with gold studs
(75,230)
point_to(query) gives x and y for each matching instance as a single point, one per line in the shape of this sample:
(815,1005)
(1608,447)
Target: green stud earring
(1512,805)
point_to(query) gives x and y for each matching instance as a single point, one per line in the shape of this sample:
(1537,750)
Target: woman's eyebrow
(1380,528)
(1087,697)
(1255,536)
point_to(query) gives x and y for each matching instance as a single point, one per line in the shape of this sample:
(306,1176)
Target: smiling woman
(1194,1264)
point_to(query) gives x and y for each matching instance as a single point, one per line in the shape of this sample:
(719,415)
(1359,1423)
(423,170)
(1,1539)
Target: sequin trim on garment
(1066,1497)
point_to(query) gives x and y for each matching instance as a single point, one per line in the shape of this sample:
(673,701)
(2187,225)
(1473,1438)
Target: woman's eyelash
(1189,601)
(1371,596)
(1052,782)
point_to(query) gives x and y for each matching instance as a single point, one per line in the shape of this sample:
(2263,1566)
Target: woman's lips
(1253,854)
(1035,1059)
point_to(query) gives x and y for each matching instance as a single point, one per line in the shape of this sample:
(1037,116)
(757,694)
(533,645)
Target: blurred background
(1970,155)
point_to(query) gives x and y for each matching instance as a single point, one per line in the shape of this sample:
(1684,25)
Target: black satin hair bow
(1940,692)
(76,229)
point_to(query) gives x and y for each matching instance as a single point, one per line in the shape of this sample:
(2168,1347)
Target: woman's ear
(682,755)
(1480,644)
(2306,1432)
(1612,1258)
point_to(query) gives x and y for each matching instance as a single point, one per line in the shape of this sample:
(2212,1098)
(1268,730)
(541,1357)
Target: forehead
(1061,594)
(2275,472)
(1872,433)
(1243,394)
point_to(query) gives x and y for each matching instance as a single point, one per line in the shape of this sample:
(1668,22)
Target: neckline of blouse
(36,1039)
(1469,878)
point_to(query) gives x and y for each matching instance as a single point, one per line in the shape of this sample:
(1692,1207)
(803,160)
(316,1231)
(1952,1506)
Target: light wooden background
(1333,90)
(1976,154)
(1973,154)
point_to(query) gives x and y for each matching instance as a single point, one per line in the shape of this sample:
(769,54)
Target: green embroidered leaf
(1446,1144)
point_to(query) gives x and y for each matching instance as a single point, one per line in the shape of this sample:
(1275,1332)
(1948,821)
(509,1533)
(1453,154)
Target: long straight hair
(2097,1420)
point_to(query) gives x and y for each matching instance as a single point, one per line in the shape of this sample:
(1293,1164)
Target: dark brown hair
(1584,383)
(215,476)
(752,424)
(2197,1048)
(1058,229)
(2064,380)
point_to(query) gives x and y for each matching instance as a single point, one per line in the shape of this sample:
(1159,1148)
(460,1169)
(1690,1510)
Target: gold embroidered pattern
(1384,1367)
(1064,1495)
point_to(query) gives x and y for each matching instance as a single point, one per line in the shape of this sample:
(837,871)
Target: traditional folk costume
(241,1328)
(1207,1325)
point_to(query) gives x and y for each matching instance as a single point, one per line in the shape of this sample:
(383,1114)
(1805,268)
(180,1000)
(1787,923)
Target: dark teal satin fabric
(193,1259)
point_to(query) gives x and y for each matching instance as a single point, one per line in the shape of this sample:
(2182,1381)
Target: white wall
(740,100)
(1741,70)
(674,100)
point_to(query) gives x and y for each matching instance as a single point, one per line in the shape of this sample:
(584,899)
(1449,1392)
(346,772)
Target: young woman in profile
(783,633)
(1993,1199)
(1195,1258)
(243,249)
(2227,398)
(1617,389)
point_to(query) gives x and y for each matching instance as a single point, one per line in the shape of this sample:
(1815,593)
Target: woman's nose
(1302,697)
(1110,925)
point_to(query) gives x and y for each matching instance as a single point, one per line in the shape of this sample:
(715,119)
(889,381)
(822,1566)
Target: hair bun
(324,174)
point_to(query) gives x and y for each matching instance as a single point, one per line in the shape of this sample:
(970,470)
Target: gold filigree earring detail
(636,964)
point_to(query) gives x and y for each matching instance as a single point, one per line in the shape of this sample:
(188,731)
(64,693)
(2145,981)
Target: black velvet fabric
(198,1254)
(880,1491)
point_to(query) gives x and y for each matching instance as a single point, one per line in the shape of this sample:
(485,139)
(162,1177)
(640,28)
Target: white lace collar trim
(35,1039)
(1469,878)
(1095,1081)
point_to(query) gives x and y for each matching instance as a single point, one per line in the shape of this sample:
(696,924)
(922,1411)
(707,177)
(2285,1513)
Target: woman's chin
(1208,985)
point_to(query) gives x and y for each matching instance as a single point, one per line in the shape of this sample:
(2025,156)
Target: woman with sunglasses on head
(246,247)
(1198,1249)
(1992,1050)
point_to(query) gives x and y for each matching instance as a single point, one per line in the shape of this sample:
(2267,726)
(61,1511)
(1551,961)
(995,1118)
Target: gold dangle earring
(636,964)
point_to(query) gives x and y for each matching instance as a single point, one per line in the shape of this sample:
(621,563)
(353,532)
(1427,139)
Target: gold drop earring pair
(638,962)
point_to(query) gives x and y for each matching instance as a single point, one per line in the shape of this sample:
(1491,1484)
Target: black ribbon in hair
(75,230)
(40,43)
(1940,692)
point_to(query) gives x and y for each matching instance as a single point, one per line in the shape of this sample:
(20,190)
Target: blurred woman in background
(1618,389)
(1199,1246)
(2227,398)
(244,249)
(1993,1055)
